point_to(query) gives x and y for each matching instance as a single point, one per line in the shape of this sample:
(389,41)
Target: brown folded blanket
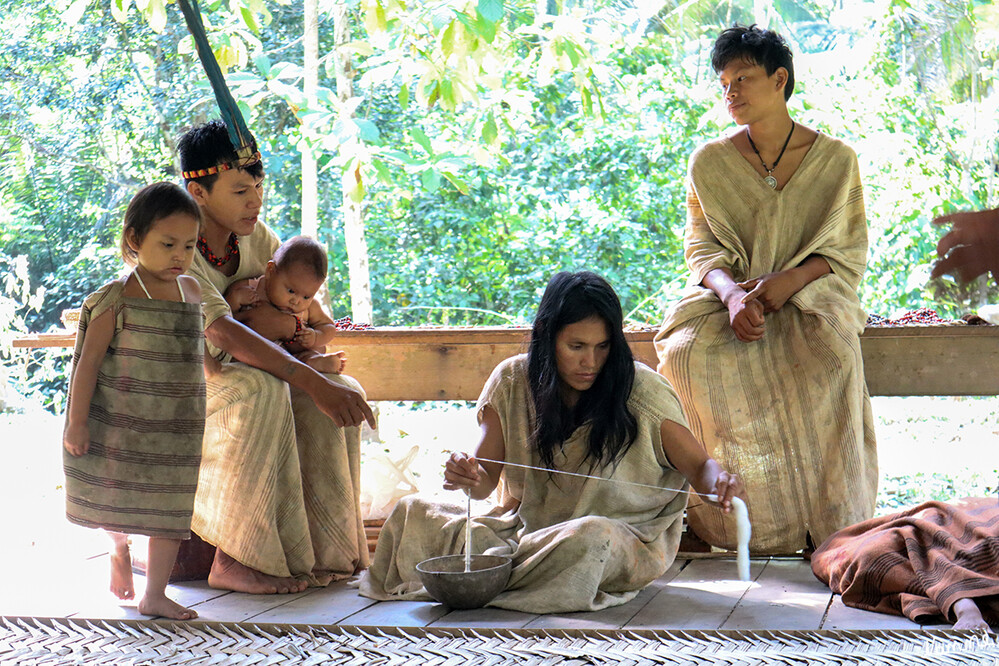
(918,562)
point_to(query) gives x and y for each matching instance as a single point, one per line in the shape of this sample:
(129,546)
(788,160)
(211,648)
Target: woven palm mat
(29,641)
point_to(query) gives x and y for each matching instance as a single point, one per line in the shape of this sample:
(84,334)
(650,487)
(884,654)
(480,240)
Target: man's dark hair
(755,45)
(569,298)
(303,251)
(208,145)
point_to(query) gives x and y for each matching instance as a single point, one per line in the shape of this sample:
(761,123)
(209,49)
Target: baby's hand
(76,439)
(306,337)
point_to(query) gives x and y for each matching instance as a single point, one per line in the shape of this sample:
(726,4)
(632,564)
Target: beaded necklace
(231,251)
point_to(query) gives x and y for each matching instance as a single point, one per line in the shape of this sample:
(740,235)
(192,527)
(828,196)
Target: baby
(289,283)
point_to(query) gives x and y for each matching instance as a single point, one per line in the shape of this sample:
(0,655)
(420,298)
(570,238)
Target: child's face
(234,201)
(291,289)
(168,248)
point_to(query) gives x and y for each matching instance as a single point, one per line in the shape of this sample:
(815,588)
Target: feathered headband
(242,141)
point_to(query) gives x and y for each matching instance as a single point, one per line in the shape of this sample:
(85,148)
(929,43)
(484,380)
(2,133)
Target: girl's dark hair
(754,44)
(569,298)
(207,145)
(304,251)
(151,203)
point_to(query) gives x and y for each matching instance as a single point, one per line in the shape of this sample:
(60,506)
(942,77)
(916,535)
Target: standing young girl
(136,413)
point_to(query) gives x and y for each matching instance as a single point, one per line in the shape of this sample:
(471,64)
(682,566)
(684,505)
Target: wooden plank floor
(693,594)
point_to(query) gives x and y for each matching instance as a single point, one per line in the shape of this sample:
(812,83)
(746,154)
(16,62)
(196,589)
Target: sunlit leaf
(384,173)
(489,132)
(119,10)
(431,180)
(447,40)
(155,15)
(263,63)
(447,94)
(368,130)
(404,158)
(421,138)
(360,47)
(457,182)
(485,28)
(491,10)
(374,17)
(250,20)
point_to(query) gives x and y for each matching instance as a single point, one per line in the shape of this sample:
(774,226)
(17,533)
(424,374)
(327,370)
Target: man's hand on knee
(344,405)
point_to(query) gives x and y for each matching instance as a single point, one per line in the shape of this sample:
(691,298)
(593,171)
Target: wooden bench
(453,363)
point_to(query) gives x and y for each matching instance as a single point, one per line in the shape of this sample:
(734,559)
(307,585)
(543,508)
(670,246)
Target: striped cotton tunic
(790,412)
(146,419)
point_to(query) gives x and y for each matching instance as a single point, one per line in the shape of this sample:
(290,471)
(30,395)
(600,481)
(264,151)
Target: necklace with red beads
(231,251)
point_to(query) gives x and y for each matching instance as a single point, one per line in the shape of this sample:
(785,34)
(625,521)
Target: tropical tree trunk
(310,62)
(310,165)
(353,211)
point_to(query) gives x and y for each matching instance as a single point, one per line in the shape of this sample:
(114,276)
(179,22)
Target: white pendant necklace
(769,179)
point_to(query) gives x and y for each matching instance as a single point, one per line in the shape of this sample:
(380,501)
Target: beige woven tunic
(790,412)
(146,418)
(577,544)
(280,483)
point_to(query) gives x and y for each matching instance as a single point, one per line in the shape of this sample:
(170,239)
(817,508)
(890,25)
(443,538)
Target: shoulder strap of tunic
(146,291)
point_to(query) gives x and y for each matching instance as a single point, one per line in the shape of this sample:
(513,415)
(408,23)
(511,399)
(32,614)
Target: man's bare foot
(162,606)
(228,574)
(969,616)
(121,571)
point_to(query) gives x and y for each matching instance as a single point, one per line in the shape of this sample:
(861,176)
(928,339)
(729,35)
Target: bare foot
(327,363)
(165,607)
(228,574)
(121,571)
(969,616)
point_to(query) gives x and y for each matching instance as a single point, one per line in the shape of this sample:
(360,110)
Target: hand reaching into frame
(971,247)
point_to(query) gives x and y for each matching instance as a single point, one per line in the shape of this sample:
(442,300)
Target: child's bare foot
(228,574)
(161,606)
(969,616)
(121,572)
(328,363)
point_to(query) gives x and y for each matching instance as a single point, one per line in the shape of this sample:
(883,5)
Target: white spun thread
(743,531)
(468,534)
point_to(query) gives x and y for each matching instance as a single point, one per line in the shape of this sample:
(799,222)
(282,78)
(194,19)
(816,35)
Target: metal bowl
(447,581)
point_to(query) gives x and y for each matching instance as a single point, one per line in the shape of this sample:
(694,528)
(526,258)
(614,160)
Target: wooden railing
(453,363)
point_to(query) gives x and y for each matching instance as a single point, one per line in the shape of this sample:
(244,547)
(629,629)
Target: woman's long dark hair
(569,298)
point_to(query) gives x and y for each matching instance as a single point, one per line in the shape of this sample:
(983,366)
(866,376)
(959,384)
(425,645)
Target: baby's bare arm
(322,324)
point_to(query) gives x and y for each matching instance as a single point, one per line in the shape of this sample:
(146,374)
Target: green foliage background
(579,166)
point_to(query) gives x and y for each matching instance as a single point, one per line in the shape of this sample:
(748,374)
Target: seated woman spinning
(576,402)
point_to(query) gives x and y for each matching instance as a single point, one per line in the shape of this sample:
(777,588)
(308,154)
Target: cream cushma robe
(577,544)
(790,412)
(279,489)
